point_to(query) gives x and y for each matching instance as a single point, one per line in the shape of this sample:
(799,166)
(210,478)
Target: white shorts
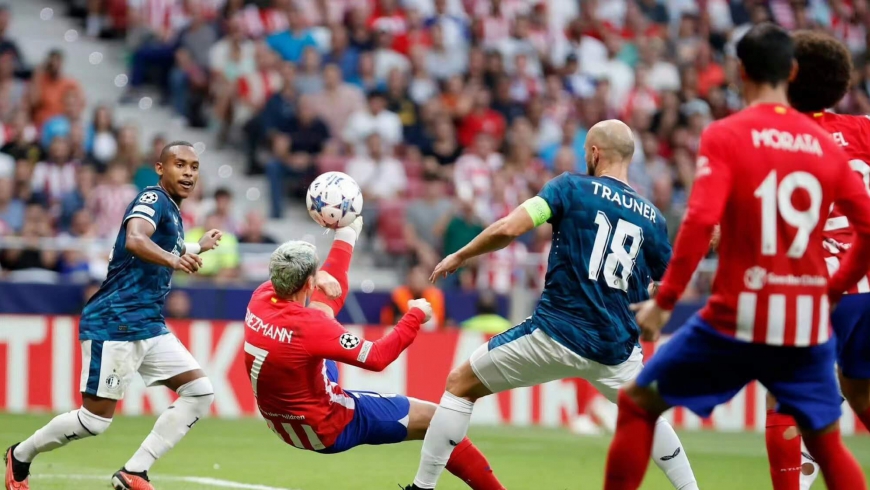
(535,358)
(108,366)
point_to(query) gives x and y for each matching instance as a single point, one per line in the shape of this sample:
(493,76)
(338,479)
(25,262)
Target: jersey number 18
(619,263)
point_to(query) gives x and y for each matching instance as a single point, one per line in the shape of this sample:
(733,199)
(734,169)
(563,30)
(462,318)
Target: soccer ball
(334,200)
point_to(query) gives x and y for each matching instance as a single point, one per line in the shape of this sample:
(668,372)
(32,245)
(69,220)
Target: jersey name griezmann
(628,202)
(280,334)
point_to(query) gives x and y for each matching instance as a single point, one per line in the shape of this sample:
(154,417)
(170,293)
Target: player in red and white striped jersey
(823,78)
(291,351)
(768,176)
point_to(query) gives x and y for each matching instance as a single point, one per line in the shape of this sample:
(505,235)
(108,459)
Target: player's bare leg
(196,395)
(791,467)
(857,393)
(466,461)
(92,419)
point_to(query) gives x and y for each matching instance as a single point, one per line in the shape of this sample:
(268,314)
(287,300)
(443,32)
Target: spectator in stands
(229,59)
(309,77)
(442,61)
(454,29)
(178,305)
(21,138)
(30,255)
(252,231)
(385,58)
(144,174)
(379,174)
(110,199)
(338,100)
(188,79)
(423,87)
(81,258)
(221,265)
(50,87)
(285,174)
(472,174)
(55,176)
(416,286)
(365,77)
(11,208)
(487,320)
(61,124)
(421,218)
(573,139)
(77,198)
(398,100)
(224,209)
(291,43)
(458,228)
(663,198)
(12,90)
(341,54)
(503,103)
(481,119)
(374,118)
(444,149)
(8,45)
(102,145)
(277,112)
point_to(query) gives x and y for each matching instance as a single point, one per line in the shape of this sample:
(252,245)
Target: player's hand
(651,318)
(189,263)
(328,284)
(210,241)
(422,305)
(446,267)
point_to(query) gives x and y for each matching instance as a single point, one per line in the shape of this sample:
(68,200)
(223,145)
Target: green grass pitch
(244,454)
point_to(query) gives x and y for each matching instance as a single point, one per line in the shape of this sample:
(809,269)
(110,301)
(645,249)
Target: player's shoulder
(154,196)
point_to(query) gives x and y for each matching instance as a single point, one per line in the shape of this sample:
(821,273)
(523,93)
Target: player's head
(609,143)
(292,268)
(178,169)
(824,71)
(766,54)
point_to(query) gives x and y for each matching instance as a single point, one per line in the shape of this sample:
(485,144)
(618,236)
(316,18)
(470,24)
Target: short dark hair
(164,154)
(824,71)
(767,54)
(222,192)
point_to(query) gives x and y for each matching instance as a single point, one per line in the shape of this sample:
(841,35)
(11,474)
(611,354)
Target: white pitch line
(209,482)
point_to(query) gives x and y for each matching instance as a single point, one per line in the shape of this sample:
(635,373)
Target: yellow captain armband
(538,209)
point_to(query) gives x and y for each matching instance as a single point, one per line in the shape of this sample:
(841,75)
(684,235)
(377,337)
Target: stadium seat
(391,226)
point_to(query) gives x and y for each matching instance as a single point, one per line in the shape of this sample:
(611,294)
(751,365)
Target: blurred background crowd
(448,113)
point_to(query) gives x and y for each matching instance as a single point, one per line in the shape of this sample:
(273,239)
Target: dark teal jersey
(129,304)
(609,243)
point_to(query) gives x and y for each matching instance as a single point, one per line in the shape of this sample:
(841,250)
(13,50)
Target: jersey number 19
(619,263)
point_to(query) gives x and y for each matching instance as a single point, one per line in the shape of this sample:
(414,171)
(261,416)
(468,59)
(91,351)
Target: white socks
(173,424)
(447,428)
(60,431)
(670,457)
(807,480)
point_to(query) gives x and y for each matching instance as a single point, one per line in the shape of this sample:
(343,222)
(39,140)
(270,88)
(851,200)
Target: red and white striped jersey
(286,347)
(108,205)
(256,88)
(852,133)
(500,270)
(769,176)
(259,22)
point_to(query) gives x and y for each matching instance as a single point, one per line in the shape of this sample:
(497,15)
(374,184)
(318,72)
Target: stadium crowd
(448,113)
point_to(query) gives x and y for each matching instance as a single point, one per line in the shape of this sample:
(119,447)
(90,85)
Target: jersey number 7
(615,276)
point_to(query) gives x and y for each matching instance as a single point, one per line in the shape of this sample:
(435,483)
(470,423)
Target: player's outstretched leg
(337,264)
(783,442)
(466,461)
(449,424)
(196,395)
(629,454)
(671,458)
(839,468)
(857,393)
(60,431)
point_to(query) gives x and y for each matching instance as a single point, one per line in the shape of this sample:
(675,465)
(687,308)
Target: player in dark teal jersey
(609,245)
(122,330)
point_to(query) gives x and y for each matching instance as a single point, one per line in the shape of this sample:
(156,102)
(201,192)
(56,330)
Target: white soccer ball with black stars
(334,200)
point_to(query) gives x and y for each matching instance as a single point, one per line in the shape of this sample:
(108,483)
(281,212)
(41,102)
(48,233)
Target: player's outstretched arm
(335,343)
(209,241)
(139,243)
(495,237)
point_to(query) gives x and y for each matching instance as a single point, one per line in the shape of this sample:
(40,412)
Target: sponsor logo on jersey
(783,140)
(348,341)
(148,197)
(754,277)
(757,277)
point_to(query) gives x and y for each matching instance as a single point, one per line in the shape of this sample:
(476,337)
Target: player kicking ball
(768,175)
(287,345)
(122,331)
(609,243)
(823,77)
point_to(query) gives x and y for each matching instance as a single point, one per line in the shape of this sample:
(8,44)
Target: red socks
(839,468)
(470,465)
(784,455)
(337,263)
(865,418)
(631,448)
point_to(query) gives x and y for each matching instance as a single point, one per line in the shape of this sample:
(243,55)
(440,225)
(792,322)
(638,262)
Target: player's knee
(462,382)
(94,425)
(856,392)
(198,393)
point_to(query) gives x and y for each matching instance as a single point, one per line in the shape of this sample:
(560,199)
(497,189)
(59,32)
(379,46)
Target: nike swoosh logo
(672,456)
